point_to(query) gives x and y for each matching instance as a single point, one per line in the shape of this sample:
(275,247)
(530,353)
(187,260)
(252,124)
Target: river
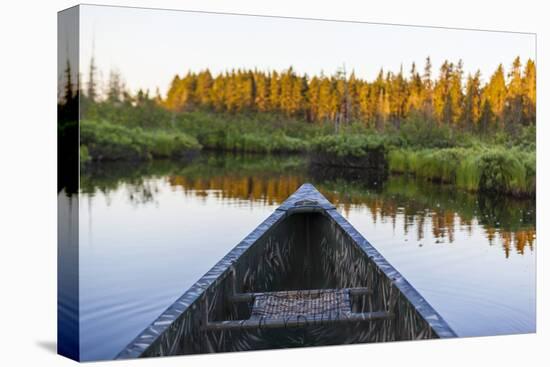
(148,231)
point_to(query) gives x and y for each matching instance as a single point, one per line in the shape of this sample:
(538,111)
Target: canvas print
(239,182)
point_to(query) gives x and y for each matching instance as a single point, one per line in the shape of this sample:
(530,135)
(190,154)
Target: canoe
(303,277)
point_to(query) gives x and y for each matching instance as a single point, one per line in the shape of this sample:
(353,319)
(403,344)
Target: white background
(28,200)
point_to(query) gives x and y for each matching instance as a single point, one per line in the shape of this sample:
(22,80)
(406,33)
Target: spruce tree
(529,92)
(471,110)
(495,93)
(514,98)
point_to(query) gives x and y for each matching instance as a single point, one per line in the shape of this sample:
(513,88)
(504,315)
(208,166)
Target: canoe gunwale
(217,273)
(313,202)
(426,311)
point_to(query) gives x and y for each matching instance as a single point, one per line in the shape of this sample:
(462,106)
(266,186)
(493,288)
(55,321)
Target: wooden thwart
(299,308)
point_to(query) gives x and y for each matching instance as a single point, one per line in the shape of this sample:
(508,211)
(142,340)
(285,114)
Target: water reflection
(149,231)
(270,180)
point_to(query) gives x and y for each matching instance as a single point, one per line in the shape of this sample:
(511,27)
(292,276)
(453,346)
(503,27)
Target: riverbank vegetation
(476,133)
(102,140)
(493,169)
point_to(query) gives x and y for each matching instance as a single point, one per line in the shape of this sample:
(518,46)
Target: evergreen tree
(232,92)
(69,94)
(398,97)
(274,92)
(487,117)
(353,91)
(390,98)
(414,101)
(471,111)
(300,93)
(366,104)
(514,98)
(325,99)
(455,93)
(91,92)
(313,100)
(495,93)
(171,101)
(443,106)
(217,94)
(529,92)
(427,92)
(204,85)
(261,82)
(290,98)
(115,87)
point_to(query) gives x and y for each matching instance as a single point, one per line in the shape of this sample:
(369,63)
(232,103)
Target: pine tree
(301,90)
(288,85)
(381,101)
(471,111)
(414,101)
(172,96)
(443,106)
(115,88)
(390,98)
(455,93)
(529,92)
(244,84)
(427,92)
(261,82)
(231,93)
(398,96)
(366,104)
(274,92)
(69,93)
(68,106)
(91,92)
(514,98)
(325,99)
(217,93)
(495,93)
(353,89)
(343,96)
(203,87)
(313,100)
(487,116)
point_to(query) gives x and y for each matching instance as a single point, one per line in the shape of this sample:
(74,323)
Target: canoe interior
(293,251)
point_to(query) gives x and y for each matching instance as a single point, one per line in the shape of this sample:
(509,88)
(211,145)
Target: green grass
(493,169)
(101,140)
(255,133)
(495,163)
(253,142)
(350,150)
(344,145)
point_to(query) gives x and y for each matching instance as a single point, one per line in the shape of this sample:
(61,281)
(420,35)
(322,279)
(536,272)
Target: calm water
(149,231)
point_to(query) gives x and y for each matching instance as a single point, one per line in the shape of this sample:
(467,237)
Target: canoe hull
(293,249)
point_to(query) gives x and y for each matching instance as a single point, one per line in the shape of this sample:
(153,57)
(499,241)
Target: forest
(473,131)
(504,102)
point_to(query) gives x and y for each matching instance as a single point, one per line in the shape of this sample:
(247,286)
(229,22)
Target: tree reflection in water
(269,180)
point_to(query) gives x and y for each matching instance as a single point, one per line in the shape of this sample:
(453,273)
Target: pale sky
(148,47)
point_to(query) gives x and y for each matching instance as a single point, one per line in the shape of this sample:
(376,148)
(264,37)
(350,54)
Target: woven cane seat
(316,304)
